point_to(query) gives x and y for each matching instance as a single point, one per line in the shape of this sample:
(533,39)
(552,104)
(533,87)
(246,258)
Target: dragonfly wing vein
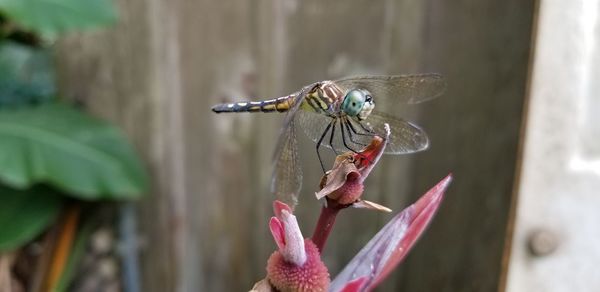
(286,180)
(405,137)
(397,89)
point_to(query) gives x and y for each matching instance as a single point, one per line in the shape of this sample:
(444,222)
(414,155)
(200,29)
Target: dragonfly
(342,115)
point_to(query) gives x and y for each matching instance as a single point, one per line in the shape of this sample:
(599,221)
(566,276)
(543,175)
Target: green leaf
(25,214)
(50,17)
(26,75)
(70,150)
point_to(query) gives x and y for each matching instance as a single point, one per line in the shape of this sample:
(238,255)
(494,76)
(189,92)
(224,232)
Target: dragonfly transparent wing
(286,180)
(398,89)
(405,137)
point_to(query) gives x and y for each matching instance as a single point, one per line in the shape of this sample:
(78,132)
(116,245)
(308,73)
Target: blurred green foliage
(24,214)
(68,149)
(50,151)
(26,75)
(51,17)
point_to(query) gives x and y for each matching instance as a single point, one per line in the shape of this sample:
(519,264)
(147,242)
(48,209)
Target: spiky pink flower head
(296,265)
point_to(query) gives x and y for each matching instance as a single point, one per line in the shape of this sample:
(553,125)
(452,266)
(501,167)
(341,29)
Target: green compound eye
(353,102)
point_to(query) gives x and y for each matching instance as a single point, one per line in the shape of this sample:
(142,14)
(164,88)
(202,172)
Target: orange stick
(63,248)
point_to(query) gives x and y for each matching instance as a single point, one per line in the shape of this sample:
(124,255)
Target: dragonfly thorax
(358,103)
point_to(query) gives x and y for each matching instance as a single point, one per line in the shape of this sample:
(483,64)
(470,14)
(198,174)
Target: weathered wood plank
(482,47)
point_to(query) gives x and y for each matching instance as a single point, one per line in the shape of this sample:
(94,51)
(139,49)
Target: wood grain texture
(482,47)
(160,69)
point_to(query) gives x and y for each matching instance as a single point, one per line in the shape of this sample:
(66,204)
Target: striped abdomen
(323,97)
(281,104)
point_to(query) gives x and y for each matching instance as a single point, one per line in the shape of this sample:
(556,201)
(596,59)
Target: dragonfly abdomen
(280,104)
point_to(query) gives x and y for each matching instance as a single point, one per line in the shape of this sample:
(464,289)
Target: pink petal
(355,285)
(278,206)
(278,232)
(393,242)
(293,251)
(369,156)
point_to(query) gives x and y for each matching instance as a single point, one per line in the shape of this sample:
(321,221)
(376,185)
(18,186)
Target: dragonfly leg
(351,130)
(321,140)
(334,122)
(344,139)
(368,132)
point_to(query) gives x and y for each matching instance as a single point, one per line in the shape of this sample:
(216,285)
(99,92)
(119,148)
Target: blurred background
(516,127)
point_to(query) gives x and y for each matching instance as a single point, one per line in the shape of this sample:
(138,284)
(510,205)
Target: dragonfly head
(358,103)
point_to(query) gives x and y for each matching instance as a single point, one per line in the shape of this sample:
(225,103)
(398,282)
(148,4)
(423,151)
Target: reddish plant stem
(325,224)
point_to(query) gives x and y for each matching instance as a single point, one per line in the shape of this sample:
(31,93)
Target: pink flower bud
(296,265)
(343,184)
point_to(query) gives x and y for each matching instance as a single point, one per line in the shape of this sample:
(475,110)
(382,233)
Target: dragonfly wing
(398,89)
(405,137)
(287,174)
(286,180)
